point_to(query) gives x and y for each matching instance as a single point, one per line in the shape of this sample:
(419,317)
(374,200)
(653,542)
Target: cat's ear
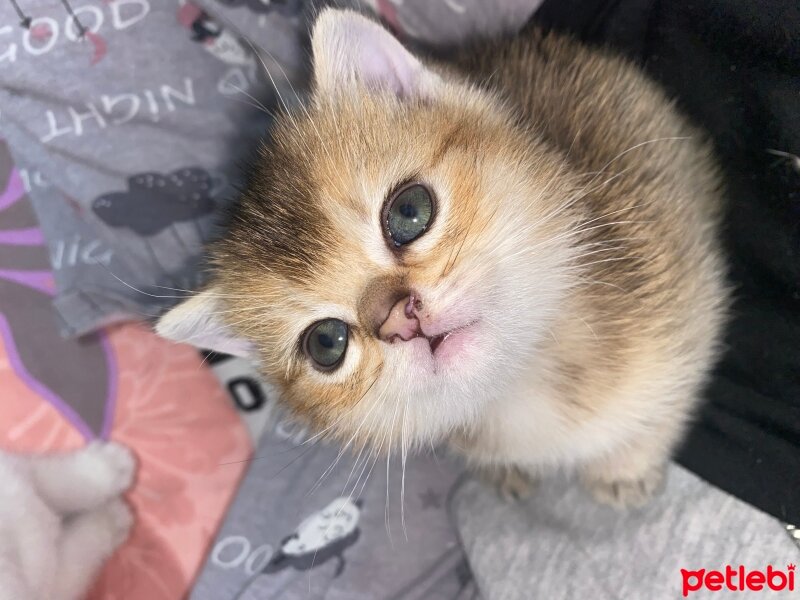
(197,322)
(349,48)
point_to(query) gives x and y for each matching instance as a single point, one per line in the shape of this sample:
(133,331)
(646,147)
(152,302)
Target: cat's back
(589,102)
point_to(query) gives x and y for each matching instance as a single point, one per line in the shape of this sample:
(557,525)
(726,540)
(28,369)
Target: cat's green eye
(325,343)
(408,214)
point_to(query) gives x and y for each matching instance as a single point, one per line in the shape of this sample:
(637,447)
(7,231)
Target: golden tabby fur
(573,251)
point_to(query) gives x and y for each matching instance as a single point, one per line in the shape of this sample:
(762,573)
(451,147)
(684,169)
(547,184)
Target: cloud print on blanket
(154,201)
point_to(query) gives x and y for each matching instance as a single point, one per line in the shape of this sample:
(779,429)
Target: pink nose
(402,323)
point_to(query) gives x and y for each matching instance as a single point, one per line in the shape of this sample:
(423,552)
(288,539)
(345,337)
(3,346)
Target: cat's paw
(512,484)
(626,493)
(109,463)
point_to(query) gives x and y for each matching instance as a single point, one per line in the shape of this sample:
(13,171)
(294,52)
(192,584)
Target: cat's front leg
(512,483)
(627,477)
(84,479)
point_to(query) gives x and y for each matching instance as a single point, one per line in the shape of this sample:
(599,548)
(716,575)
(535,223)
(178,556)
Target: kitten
(515,252)
(61,517)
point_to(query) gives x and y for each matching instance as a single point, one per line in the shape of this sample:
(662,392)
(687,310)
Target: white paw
(111,463)
(626,493)
(117,518)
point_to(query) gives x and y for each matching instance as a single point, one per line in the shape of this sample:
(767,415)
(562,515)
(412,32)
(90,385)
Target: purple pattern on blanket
(31,236)
(37,386)
(15,190)
(41,281)
(37,354)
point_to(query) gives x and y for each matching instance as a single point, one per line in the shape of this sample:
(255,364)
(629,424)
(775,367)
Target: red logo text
(738,579)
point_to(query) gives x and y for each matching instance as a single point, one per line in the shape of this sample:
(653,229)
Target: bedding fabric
(123,384)
(559,544)
(127,140)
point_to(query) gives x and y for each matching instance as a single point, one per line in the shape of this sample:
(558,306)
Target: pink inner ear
(383,63)
(355,48)
(378,73)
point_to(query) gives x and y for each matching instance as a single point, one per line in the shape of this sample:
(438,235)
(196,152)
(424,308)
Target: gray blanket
(299,530)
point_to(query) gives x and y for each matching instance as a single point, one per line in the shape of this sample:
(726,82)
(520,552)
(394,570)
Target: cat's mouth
(435,342)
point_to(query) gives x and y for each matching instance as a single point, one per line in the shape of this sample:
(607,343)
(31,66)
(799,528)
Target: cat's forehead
(355,138)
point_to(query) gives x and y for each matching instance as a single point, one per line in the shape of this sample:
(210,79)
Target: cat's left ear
(350,49)
(197,321)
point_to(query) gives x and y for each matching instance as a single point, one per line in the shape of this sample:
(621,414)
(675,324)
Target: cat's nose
(401,324)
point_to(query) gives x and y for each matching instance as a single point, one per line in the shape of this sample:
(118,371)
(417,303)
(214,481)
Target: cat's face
(396,258)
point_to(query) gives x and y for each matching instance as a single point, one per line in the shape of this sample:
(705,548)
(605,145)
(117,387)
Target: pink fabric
(172,413)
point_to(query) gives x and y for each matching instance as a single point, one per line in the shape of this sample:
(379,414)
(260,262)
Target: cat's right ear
(197,321)
(350,49)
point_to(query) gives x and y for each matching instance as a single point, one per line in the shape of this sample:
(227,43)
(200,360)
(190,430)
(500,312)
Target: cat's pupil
(325,341)
(408,211)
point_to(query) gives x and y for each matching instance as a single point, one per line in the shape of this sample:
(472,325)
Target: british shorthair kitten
(515,252)
(61,517)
